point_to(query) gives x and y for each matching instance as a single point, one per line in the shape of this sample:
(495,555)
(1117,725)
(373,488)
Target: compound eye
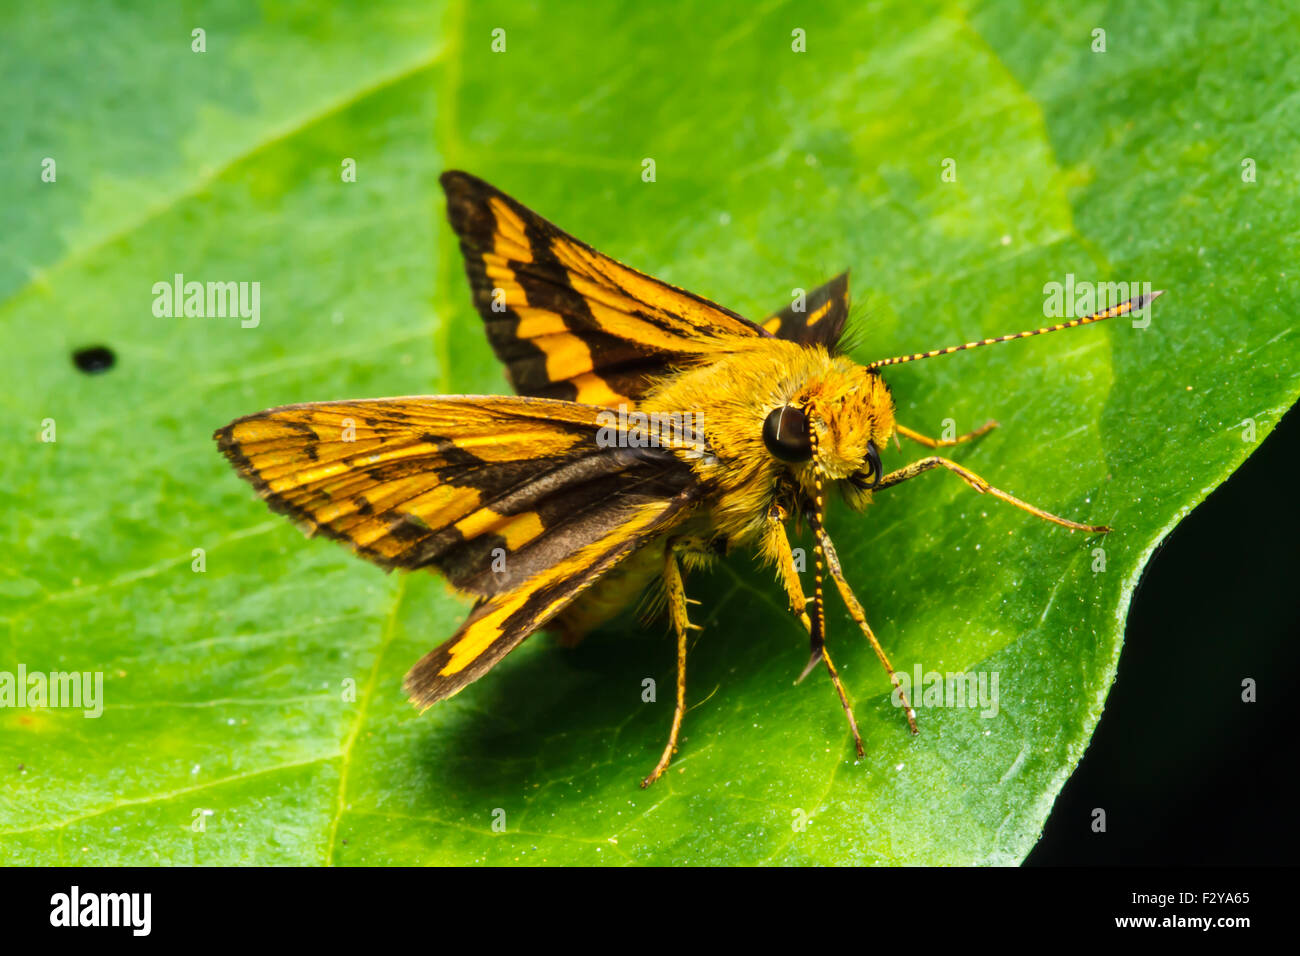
(785,433)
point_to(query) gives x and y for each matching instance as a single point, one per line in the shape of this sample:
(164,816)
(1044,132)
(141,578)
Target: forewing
(820,322)
(486,490)
(499,623)
(568,321)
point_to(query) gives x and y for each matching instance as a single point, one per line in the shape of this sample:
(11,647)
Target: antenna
(1132,305)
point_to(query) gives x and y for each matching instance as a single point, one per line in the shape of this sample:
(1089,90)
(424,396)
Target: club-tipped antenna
(1136,304)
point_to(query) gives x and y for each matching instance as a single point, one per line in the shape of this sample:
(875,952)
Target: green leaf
(227,734)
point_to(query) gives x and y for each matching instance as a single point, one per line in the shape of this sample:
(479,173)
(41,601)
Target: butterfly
(652,431)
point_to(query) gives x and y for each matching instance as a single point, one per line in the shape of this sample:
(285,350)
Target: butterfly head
(833,428)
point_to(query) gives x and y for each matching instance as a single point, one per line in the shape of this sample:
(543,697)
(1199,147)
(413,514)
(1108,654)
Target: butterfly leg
(813,617)
(928,442)
(677,603)
(826,552)
(984,488)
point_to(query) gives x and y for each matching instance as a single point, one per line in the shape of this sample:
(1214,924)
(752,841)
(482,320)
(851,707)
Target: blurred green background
(789,143)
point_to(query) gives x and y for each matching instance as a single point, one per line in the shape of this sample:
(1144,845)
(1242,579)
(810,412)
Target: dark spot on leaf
(94,359)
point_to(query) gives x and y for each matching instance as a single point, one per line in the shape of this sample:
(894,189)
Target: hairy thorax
(731,395)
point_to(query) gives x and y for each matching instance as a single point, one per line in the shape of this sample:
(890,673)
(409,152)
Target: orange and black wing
(498,623)
(488,490)
(821,319)
(568,321)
